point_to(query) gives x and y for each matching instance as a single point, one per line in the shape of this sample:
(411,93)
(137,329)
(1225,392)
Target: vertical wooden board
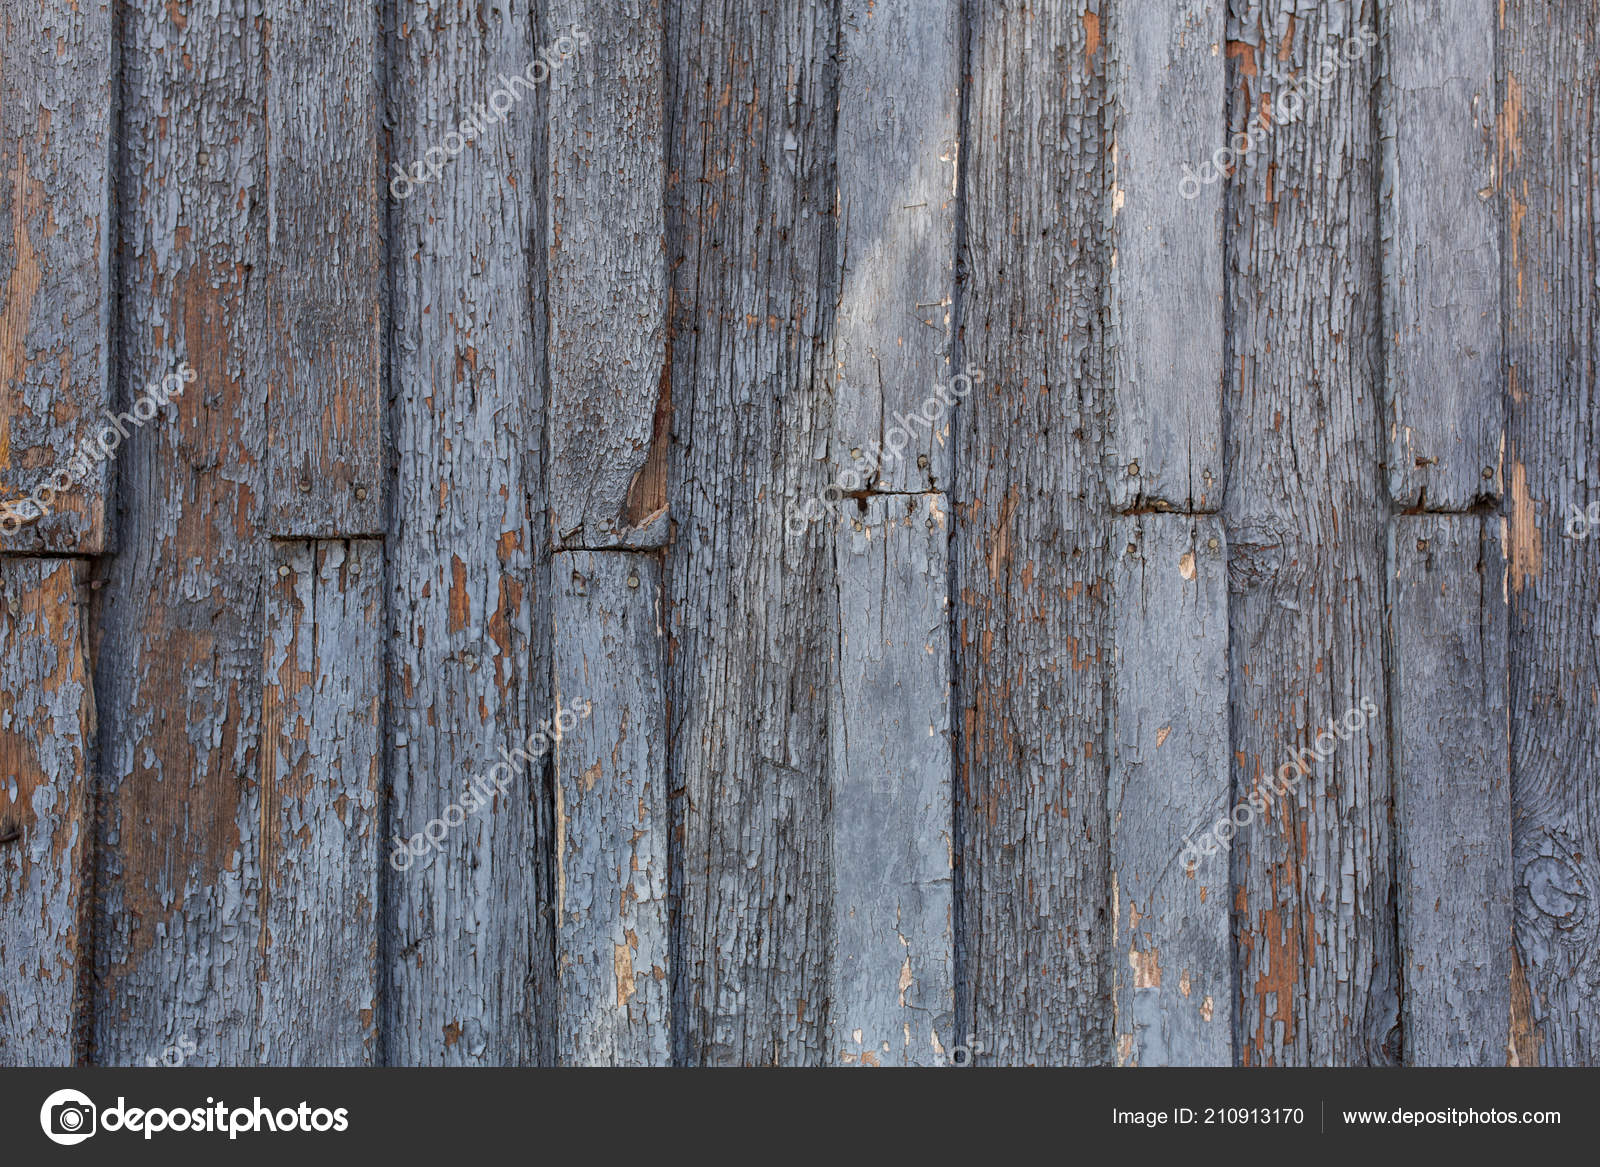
(321,818)
(46,743)
(55,263)
(1029,546)
(1307,528)
(607,286)
(1548,152)
(468,946)
(894,990)
(179,622)
(751,94)
(1452,787)
(320,359)
(898,150)
(1171,959)
(1167,112)
(611,812)
(1441,259)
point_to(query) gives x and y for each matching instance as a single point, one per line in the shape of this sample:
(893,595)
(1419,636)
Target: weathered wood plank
(1548,163)
(1441,261)
(468,941)
(751,94)
(606,291)
(321,358)
(322,822)
(1030,541)
(1167,77)
(55,261)
(893,911)
(611,816)
(1313,914)
(1452,787)
(897,155)
(1169,778)
(47,730)
(178,658)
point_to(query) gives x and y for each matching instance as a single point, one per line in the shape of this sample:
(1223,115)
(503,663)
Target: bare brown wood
(179,623)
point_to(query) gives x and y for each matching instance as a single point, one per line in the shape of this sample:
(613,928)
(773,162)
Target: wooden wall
(489,520)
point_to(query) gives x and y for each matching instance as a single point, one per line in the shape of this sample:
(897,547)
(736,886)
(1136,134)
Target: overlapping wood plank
(1030,541)
(611,816)
(751,97)
(610,404)
(321,358)
(322,822)
(179,623)
(1445,420)
(55,263)
(1452,787)
(47,731)
(1314,916)
(894,932)
(1167,108)
(1548,145)
(1169,781)
(468,943)
(898,153)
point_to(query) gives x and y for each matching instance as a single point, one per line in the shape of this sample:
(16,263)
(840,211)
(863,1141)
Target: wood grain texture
(897,146)
(322,357)
(1548,136)
(1164,342)
(611,816)
(751,94)
(47,734)
(1313,876)
(322,692)
(469,948)
(179,622)
(893,1001)
(1030,541)
(1442,253)
(607,285)
(1169,779)
(902,780)
(55,270)
(1452,787)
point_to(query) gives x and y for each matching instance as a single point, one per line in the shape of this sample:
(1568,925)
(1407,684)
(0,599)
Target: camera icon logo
(68,1117)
